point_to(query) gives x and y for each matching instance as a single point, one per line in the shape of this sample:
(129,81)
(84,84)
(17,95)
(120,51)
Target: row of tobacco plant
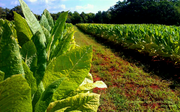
(156,40)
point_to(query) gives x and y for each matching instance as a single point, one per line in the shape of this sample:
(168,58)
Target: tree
(106,17)
(2,13)
(146,11)
(84,17)
(98,17)
(76,18)
(91,17)
(54,16)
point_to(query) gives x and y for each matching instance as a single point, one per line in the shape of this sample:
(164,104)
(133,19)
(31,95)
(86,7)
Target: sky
(54,6)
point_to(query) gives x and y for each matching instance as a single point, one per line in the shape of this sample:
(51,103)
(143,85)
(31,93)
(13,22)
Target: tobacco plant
(156,40)
(42,68)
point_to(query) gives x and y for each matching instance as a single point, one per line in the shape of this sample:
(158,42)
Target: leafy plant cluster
(42,68)
(157,40)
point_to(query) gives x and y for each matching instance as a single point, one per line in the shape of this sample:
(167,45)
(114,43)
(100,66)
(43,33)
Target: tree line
(123,12)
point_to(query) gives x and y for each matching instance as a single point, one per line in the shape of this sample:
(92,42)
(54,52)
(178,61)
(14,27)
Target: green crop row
(157,40)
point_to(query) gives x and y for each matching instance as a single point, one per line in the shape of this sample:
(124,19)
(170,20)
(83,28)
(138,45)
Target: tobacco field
(139,63)
(54,66)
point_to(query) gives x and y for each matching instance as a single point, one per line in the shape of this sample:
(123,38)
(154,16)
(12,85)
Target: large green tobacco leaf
(1,22)
(63,46)
(67,42)
(1,27)
(49,18)
(74,65)
(32,21)
(47,34)
(15,95)
(86,102)
(57,31)
(10,58)
(1,30)
(89,86)
(44,22)
(41,57)
(28,52)
(24,33)
(30,79)
(37,95)
(1,76)
(59,26)
(47,95)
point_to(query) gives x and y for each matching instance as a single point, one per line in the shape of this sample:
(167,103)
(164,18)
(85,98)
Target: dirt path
(129,87)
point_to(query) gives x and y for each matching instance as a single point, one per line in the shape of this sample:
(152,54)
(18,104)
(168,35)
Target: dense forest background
(126,12)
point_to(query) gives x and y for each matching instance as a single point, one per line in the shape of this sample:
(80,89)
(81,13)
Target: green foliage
(47,34)
(49,18)
(90,86)
(15,95)
(1,76)
(10,58)
(44,22)
(41,56)
(76,18)
(157,40)
(1,27)
(87,102)
(31,20)
(24,33)
(74,65)
(63,46)
(38,38)
(1,22)
(30,79)
(49,64)
(47,95)
(57,31)
(37,96)
(145,11)
(28,53)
